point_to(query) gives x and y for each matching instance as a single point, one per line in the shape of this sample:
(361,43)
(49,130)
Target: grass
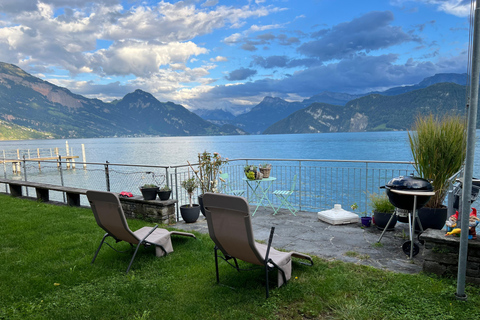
(45,273)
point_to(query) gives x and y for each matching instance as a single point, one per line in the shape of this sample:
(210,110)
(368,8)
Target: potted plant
(149,191)
(366,220)
(250,171)
(265,169)
(209,166)
(164,192)
(382,211)
(190,212)
(438,148)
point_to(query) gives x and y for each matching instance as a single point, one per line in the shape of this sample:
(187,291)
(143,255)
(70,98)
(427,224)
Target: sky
(216,54)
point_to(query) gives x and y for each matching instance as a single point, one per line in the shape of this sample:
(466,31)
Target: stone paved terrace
(305,233)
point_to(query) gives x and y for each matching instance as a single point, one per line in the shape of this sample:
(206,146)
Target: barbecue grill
(457,191)
(409,193)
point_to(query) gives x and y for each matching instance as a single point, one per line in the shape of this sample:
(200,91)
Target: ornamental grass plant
(381,203)
(45,273)
(438,147)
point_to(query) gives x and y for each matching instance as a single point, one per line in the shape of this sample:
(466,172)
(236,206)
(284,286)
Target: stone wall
(162,212)
(441,255)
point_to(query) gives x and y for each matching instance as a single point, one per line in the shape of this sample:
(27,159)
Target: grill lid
(409,183)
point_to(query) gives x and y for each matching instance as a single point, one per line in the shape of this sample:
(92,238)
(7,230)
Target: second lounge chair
(230,227)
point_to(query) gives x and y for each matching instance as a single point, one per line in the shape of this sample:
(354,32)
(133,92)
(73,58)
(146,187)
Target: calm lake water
(171,151)
(382,146)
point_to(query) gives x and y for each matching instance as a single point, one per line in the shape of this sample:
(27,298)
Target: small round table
(259,192)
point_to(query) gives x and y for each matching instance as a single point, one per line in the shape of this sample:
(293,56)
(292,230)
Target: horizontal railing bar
(230,160)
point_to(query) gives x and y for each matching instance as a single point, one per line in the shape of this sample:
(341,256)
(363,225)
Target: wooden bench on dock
(42,190)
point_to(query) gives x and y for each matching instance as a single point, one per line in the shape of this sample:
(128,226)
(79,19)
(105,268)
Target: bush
(438,148)
(380,203)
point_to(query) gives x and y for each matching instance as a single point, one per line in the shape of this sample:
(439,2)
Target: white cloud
(234,38)
(139,40)
(210,3)
(142,59)
(459,8)
(219,59)
(255,28)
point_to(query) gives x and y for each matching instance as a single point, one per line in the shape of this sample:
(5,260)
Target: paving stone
(305,233)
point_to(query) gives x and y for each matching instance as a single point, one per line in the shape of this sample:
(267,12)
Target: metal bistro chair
(283,195)
(226,187)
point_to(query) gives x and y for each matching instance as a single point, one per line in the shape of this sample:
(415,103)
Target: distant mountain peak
(13,70)
(458,78)
(140,95)
(32,103)
(269,99)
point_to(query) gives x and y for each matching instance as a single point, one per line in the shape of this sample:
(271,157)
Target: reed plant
(438,147)
(45,273)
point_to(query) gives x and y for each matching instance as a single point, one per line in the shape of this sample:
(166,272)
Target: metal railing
(320,183)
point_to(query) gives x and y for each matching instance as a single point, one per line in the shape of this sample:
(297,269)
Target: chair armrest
(270,239)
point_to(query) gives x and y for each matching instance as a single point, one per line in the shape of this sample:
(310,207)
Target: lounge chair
(109,215)
(230,227)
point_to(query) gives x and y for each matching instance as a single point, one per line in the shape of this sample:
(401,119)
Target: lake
(321,186)
(381,146)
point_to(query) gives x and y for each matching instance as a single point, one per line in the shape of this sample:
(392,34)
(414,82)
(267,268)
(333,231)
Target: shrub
(438,148)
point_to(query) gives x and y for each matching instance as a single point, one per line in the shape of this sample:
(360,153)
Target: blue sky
(231,54)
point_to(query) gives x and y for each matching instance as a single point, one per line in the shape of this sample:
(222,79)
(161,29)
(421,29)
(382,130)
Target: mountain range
(34,108)
(32,103)
(271,110)
(375,112)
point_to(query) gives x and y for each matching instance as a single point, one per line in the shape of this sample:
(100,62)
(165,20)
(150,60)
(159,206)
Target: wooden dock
(17,156)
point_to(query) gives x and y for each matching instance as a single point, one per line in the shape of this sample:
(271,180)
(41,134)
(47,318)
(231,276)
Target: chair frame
(265,262)
(142,241)
(269,264)
(128,235)
(283,195)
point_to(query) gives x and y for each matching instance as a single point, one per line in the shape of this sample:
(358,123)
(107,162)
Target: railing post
(248,189)
(366,185)
(59,165)
(25,170)
(5,170)
(176,193)
(167,180)
(300,185)
(4,166)
(107,176)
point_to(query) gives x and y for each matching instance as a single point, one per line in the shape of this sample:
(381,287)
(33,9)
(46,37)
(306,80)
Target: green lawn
(45,273)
